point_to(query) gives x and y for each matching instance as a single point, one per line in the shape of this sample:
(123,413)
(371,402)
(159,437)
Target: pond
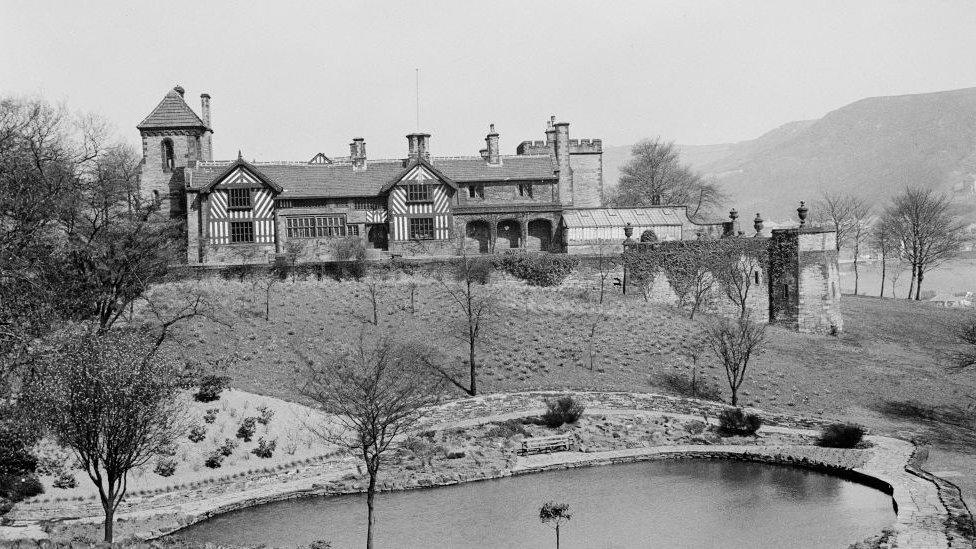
(687,503)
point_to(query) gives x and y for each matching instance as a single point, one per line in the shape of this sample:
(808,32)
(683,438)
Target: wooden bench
(539,445)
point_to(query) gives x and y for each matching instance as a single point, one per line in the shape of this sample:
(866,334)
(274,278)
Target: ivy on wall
(701,271)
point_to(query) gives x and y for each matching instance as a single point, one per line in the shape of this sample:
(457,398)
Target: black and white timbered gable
(241,206)
(419,203)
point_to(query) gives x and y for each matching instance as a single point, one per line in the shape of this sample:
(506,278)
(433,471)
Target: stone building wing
(172,112)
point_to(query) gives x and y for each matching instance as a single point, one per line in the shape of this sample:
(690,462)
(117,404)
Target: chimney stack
(492,141)
(551,131)
(357,153)
(418,145)
(205,108)
(563,163)
(206,143)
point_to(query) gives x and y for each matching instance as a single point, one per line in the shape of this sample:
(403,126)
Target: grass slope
(886,370)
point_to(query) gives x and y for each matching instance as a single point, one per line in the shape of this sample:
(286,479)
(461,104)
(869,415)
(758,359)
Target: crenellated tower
(579,163)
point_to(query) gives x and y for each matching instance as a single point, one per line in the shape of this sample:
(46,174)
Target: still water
(690,503)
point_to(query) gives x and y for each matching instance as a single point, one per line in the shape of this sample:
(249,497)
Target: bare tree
(373,286)
(859,232)
(110,398)
(689,266)
(556,514)
(469,289)
(605,265)
(412,296)
(927,231)
(738,266)
(266,284)
(655,175)
(597,316)
(734,344)
(835,209)
(883,241)
(374,395)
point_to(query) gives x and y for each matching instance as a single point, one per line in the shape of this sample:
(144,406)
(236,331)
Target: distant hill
(872,148)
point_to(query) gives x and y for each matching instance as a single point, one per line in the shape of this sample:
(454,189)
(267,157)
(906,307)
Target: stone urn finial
(802,213)
(757,223)
(628,230)
(733,214)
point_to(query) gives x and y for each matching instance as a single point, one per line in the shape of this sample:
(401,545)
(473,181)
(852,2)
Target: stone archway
(540,235)
(480,231)
(509,234)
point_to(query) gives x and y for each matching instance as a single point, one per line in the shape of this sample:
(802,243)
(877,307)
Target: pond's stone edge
(930,510)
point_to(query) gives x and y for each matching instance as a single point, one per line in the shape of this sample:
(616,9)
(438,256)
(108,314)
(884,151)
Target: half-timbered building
(539,199)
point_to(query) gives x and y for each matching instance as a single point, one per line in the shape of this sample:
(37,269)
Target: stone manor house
(548,196)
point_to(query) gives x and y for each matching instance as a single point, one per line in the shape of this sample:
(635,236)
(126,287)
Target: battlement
(532,147)
(585,146)
(576,146)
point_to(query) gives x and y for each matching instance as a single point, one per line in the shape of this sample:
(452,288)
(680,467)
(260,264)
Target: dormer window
(239,199)
(166,152)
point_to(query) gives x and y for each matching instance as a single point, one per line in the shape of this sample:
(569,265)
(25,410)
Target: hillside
(871,147)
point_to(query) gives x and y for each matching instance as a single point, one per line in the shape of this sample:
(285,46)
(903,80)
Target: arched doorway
(540,235)
(509,234)
(481,232)
(378,236)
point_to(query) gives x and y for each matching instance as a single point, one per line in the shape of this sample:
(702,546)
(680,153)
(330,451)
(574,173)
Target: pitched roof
(243,164)
(172,112)
(614,217)
(304,180)
(410,166)
(511,168)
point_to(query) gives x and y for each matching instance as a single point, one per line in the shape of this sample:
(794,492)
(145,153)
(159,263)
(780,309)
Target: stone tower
(173,137)
(579,162)
(804,284)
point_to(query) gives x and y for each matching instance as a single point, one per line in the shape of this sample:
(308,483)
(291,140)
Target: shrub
(841,435)
(18,487)
(16,441)
(265,448)
(65,481)
(562,410)
(735,422)
(214,460)
(211,415)
(228,447)
(648,236)
(351,251)
(693,385)
(539,269)
(266,415)
(197,433)
(165,467)
(246,429)
(211,386)
(508,429)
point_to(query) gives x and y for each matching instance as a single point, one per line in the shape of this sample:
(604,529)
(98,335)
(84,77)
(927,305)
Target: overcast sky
(290,79)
